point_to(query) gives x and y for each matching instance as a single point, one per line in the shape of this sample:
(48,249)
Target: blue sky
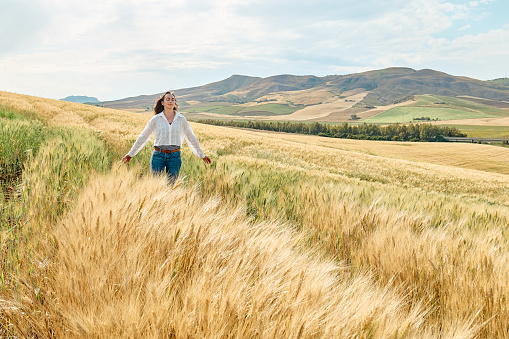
(112,49)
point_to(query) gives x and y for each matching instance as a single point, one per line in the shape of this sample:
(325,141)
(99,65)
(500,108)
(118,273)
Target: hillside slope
(209,92)
(282,234)
(382,87)
(392,84)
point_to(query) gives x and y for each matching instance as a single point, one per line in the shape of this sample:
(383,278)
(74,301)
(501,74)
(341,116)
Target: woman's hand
(207,160)
(126,159)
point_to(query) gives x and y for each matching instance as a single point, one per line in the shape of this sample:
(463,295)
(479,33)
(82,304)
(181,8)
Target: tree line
(395,132)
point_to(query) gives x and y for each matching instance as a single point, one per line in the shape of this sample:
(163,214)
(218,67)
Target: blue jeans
(168,163)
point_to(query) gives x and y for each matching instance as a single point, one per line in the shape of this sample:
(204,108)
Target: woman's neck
(169,112)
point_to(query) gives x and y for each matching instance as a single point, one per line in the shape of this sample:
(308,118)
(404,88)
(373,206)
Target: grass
(207,273)
(11,115)
(501,81)
(48,166)
(436,107)
(275,109)
(484,131)
(407,114)
(281,236)
(19,139)
(363,211)
(213,109)
(458,103)
(262,109)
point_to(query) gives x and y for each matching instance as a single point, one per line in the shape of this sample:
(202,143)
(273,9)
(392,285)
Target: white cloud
(153,41)
(465,27)
(481,56)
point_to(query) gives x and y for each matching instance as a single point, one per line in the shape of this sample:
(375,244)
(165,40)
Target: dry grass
(322,110)
(389,240)
(137,259)
(455,156)
(302,97)
(477,122)
(113,124)
(438,230)
(322,105)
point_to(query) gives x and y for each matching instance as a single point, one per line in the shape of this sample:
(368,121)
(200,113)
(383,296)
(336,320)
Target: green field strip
(456,103)
(263,110)
(476,131)
(407,114)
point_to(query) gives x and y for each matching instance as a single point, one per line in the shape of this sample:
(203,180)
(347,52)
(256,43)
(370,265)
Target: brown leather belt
(166,151)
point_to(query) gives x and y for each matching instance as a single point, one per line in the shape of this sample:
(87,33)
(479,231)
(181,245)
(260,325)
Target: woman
(170,129)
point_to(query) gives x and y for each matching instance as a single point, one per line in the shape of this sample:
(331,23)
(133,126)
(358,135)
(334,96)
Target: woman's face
(169,101)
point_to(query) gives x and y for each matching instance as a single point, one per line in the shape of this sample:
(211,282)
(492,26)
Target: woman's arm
(193,143)
(141,141)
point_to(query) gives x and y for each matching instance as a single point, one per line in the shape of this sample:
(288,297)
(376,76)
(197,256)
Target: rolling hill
(333,98)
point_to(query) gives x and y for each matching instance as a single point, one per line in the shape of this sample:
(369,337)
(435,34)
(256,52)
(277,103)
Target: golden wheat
(441,247)
(138,259)
(419,226)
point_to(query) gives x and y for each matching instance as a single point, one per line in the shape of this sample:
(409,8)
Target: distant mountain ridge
(383,87)
(389,85)
(80,99)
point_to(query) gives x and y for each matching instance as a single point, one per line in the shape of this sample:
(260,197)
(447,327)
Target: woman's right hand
(126,159)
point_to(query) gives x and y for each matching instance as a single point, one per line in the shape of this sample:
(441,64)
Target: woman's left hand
(207,160)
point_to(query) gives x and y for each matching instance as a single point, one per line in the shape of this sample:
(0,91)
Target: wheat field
(282,236)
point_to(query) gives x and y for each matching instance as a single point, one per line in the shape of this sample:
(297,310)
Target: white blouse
(168,134)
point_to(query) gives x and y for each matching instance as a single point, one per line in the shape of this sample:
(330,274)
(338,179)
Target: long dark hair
(158,107)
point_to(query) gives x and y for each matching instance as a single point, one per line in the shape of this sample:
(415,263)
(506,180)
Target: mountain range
(308,97)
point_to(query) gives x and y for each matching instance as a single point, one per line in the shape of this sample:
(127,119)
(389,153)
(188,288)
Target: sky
(113,49)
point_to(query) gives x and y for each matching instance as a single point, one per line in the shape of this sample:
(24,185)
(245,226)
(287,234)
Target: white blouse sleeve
(191,140)
(142,138)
